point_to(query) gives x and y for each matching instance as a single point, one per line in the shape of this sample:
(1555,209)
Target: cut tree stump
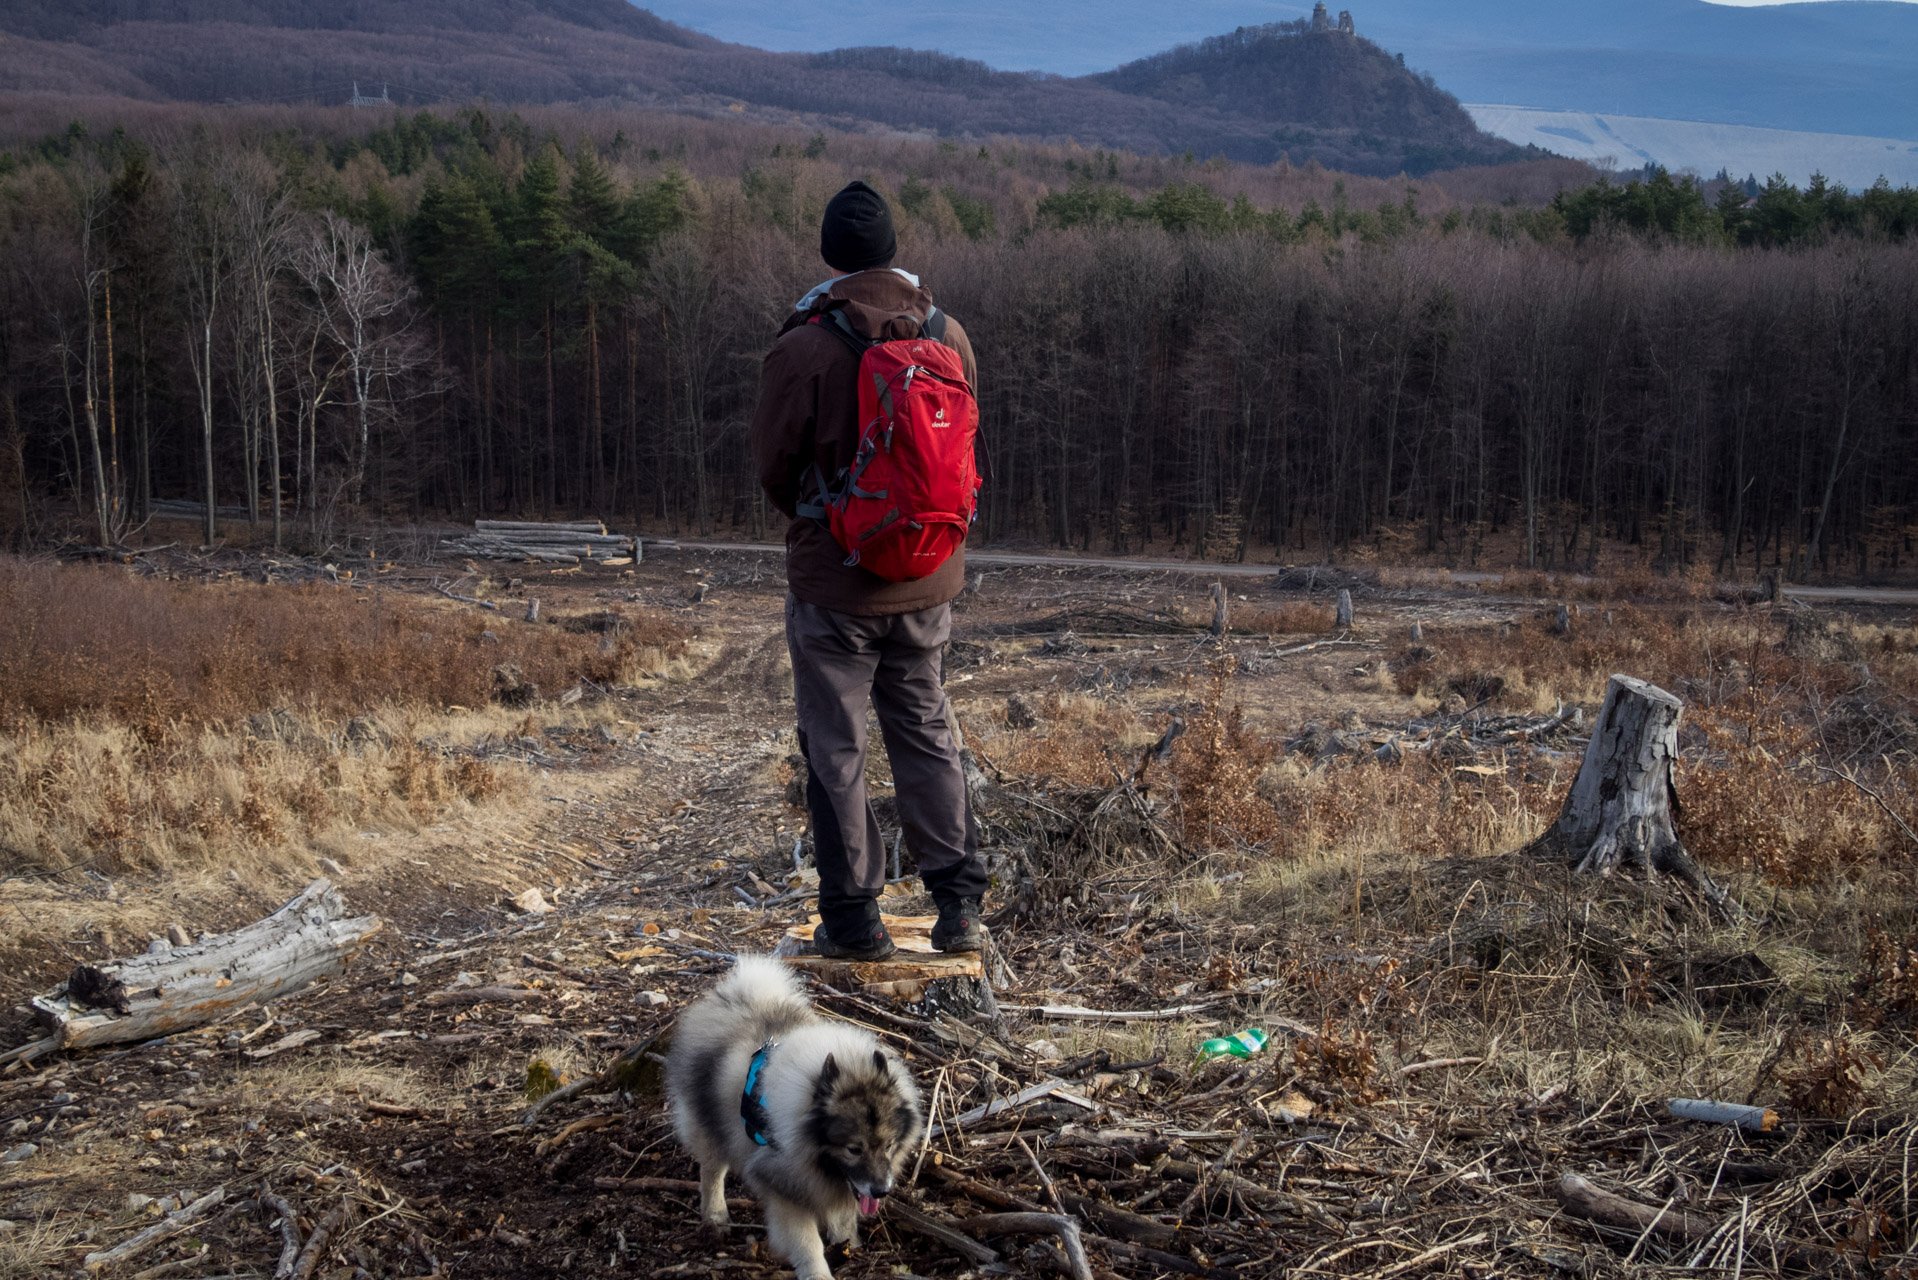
(168,991)
(916,975)
(1342,613)
(1620,808)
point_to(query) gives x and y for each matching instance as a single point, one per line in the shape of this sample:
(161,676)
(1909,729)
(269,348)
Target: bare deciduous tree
(365,310)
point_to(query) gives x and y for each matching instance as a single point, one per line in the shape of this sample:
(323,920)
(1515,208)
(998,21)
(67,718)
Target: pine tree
(540,236)
(591,198)
(539,229)
(458,246)
(652,213)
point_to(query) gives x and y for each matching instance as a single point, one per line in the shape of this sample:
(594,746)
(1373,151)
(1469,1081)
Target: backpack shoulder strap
(935,325)
(835,323)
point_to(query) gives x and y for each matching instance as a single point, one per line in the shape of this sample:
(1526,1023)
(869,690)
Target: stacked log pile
(561,542)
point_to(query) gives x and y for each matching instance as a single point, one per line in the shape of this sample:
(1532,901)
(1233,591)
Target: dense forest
(317,320)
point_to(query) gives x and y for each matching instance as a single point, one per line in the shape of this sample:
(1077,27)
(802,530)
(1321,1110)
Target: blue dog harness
(752,1102)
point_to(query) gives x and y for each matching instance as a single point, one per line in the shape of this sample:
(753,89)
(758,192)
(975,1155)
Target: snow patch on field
(1629,142)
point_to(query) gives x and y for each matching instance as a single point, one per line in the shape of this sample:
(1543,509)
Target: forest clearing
(1207,810)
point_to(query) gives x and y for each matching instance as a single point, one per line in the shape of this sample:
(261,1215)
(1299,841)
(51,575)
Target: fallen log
(172,990)
(535,526)
(570,537)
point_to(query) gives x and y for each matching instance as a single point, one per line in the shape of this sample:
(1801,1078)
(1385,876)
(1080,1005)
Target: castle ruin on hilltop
(1322,21)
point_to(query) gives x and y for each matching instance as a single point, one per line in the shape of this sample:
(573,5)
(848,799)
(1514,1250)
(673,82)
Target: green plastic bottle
(1240,1044)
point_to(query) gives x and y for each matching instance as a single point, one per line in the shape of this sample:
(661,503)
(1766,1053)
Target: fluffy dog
(816,1117)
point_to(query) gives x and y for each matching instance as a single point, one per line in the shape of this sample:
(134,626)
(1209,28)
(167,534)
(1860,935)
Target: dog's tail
(765,989)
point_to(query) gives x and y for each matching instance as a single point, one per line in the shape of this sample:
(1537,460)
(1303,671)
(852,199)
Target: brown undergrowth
(78,639)
(1410,925)
(150,725)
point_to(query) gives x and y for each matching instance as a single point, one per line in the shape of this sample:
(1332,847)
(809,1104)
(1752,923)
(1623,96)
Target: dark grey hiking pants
(839,661)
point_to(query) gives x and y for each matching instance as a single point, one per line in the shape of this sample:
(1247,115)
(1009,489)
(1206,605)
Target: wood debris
(554,542)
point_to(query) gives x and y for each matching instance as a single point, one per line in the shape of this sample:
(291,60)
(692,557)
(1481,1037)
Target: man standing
(853,635)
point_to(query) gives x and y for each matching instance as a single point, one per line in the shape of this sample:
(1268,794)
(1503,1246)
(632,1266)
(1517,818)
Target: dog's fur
(842,1113)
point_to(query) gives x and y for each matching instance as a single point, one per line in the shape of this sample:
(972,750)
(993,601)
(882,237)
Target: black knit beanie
(857,232)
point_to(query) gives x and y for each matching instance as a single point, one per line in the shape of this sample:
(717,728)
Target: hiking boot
(958,928)
(867,941)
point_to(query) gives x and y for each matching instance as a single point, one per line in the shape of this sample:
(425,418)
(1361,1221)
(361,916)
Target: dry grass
(1779,718)
(1388,902)
(77,639)
(151,725)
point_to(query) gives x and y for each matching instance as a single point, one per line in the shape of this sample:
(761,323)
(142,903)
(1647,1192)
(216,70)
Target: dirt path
(1857,594)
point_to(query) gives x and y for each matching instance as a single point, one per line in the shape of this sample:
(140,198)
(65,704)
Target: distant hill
(87,20)
(1285,71)
(1849,66)
(1251,96)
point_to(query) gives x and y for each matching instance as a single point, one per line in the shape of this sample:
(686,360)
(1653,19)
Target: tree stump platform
(927,982)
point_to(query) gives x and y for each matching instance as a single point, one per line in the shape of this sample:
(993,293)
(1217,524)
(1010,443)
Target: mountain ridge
(1841,66)
(1354,108)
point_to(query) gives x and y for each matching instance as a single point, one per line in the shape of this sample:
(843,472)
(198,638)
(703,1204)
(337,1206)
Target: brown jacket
(809,411)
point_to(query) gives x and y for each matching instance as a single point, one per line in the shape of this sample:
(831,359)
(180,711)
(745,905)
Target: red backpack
(911,493)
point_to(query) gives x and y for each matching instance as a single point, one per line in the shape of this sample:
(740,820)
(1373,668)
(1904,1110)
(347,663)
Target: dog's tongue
(868,1205)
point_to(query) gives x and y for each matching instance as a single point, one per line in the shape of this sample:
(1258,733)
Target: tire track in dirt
(749,681)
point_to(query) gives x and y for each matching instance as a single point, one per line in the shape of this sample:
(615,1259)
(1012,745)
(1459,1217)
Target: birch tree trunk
(1619,812)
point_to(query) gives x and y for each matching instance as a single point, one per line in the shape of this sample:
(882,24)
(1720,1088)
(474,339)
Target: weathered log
(536,526)
(1343,617)
(520,553)
(1619,812)
(310,937)
(1221,610)
(569,537)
